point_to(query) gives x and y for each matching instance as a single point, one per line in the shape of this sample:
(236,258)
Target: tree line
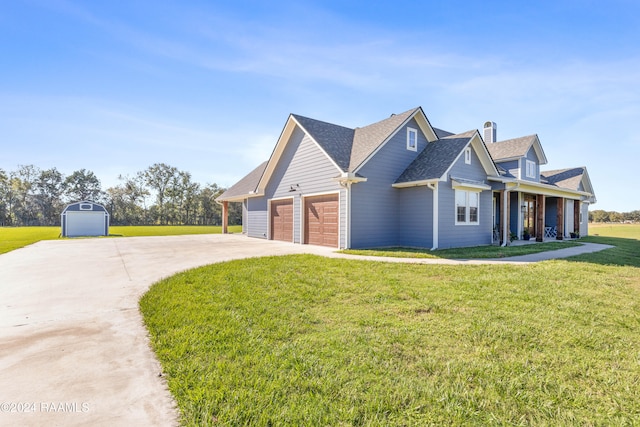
(600,215)
(159,195)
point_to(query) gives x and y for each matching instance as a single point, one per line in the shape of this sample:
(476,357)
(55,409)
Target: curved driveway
(73,348)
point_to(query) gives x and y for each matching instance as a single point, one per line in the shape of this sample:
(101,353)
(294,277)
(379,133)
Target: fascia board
(486,160)
(487,163)
(539,151)
(549,190)
(317,145)
(283,140)
(276,154)
(421,123)
(414,183)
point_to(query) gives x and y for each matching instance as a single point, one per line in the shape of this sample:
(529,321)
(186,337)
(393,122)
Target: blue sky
(207,86)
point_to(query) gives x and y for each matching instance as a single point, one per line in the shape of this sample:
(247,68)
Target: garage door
(321,220)
(282,220)
(85,223)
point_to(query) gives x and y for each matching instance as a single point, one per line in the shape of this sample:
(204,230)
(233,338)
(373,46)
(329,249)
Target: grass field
(17,237)
(304,340)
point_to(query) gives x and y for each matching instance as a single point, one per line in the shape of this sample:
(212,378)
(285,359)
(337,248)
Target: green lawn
(17,237)
(461,253)
(305,340)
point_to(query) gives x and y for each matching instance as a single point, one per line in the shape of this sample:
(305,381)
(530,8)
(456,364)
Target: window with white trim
(467,155)
(531,169)
(467,207)
(412,139)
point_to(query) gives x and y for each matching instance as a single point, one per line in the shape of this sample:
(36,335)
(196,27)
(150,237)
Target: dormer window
(412,139)
(531,169)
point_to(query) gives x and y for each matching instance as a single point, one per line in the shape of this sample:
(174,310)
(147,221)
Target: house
(403,182)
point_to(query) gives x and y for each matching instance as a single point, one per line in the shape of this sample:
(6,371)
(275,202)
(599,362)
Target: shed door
(282,220)
(85,223)
(321,220)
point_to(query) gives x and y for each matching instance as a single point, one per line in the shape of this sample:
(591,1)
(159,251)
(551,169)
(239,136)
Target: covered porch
(528,214)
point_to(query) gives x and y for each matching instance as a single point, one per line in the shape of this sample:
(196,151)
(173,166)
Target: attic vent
(490,132)
(392,114)
(86,206)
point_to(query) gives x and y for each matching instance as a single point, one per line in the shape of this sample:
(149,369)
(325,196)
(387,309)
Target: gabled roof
(433,162)
(516,148)
(438,157)
(369,139)
(245,186)
(335,140)
(570,178)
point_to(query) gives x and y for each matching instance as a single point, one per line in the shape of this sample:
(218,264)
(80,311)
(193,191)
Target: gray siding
(374,203)
(551,212)
(514,212)
(307,168)
(513,167)
(257,221)
(415,217)
(531,155)
(451,235)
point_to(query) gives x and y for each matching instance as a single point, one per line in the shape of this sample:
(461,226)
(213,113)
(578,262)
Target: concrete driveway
(73,348)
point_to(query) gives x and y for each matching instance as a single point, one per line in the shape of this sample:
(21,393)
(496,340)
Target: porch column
(560,219)
(505,217)
(576,216)
(225,217)
(540,217)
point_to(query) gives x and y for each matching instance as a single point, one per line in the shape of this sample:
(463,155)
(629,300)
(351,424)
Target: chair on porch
(551,232)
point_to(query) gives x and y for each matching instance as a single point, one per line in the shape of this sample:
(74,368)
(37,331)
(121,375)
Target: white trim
(434,190)
(277,199)
(412,131)
(303,197)
(422,121)
(467,155)
(414,183)
(531,169)
(461,184)
(467,206)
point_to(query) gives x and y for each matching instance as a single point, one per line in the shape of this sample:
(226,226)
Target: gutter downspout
(434,187)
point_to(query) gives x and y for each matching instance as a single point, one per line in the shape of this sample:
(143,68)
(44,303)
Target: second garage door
(321,220)
(282,220)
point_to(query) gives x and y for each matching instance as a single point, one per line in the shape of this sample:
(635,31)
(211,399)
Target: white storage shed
(85,219)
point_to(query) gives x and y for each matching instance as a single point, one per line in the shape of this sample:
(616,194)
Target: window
(467,207)
(531,169)
(467,155)
(412,139)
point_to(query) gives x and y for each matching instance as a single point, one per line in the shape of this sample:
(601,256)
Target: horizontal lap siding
(307,168)
(257,220)
(375,203)
(415,217)
(451,235)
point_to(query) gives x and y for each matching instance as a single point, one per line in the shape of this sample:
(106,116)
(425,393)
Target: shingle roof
(349,148)
(509,148)
(436,158)
(367,139)
(565,178)
(335,140)
(246,185)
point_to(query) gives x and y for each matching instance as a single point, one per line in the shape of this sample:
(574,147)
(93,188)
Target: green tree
(49,187)
(82,185)
(158,178)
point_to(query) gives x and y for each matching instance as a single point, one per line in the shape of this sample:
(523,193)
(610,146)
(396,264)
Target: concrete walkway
(73,348)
